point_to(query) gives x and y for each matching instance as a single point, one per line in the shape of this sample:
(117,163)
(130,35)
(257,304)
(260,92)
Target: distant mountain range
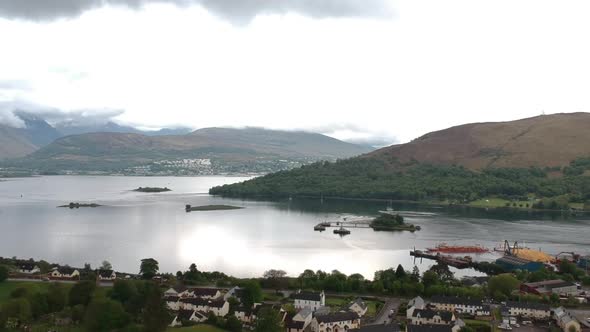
(112,148)
(544,156)
(37,133)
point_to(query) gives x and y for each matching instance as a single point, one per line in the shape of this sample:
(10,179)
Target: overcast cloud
(239,11)
(359,73)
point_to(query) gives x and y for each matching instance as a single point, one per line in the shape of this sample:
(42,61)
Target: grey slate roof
(378,328)
(447,316)
(527,305)
(337,317)
(307,296)
(429,328)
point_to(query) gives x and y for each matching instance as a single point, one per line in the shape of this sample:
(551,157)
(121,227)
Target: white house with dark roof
(432,328)
(106,275)
(28,268)
(219,307)
(309,299)
(537,311)
(235,292)
(65,272)
(432,317)
(461,305)
(300,321)
(188,315)
(172,302)
(178,290)
(413,304)
(565,320)
(244,314)
(336,322)
(378,328)
(205,293)
(359,306)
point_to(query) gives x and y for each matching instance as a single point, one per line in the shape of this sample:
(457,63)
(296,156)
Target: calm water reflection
(243,242)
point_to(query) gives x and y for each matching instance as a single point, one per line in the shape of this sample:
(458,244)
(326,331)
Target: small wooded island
(152,189)
(73,205)
(190,208)
(392,222)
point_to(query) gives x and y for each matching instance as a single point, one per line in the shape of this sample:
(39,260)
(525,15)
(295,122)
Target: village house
(378,328)
(432,328)
(538,311)
(172,302)
(106,275)
(28,268)
(359,306)
(431,317)
(566,321)
(258,307)
(548,287)
(460,305)
(218,307)
(64,272)
(178,290)
(205,293)
(244,314)
(188,315)
(413,304)
(300,321)
(235,292)
(336,322)
(309,299)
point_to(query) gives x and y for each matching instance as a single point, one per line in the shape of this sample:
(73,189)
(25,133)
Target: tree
(233,324)
(123,291)
(19,309)
(502,285)
(275,279)
(415,276)
(56,297)
(3,273)
(39,305)
(429,278)
(251,294)
(106,265)
(105,315)
(155,314)
(400,273)
(268,320)
(81,292)
(148,268)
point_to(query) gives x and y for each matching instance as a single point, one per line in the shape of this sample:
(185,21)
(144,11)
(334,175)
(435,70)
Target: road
(383,316)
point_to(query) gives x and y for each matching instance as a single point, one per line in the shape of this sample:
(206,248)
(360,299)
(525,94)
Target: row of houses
(63,272)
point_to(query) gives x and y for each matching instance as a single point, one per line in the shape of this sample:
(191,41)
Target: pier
(458,262)
(358,223)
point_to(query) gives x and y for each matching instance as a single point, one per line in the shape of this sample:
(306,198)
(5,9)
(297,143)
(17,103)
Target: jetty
(357,223)
(458,262)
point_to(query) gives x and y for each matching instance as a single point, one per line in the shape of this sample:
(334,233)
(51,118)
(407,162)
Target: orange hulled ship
(445,248)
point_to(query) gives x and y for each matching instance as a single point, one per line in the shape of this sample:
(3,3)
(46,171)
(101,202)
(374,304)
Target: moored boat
(342,231)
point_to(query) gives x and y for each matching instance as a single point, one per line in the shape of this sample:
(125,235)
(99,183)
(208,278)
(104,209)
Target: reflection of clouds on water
(244,242)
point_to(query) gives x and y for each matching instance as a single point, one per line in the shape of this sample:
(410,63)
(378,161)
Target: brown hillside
(13,144)
(547,140)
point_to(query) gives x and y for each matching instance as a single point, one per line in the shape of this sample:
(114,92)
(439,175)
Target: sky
(375,71)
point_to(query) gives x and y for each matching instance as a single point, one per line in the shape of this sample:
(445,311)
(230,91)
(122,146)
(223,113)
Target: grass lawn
(372,308)
(34,287)
(196,328)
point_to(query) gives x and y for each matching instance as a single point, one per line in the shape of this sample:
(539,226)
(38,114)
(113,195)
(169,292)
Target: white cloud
(434,65)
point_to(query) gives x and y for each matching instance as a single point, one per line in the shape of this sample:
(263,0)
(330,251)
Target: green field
(338,302)
(8,286)
(196,328)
